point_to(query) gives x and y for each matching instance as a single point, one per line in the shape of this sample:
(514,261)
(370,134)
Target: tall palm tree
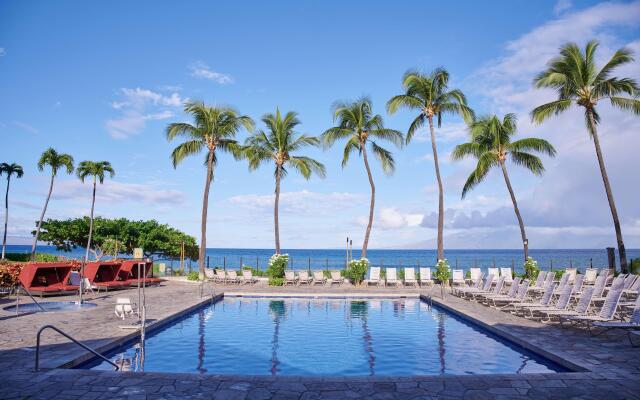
(98,170)
(9,169)
(431,96)
(491,145)
(213,129)
(277,145)
(358,124)
(577,81)
(56,161)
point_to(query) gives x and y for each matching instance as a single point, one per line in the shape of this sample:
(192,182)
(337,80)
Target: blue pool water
(344,337)
(50,306)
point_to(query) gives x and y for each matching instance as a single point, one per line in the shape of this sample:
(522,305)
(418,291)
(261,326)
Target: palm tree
(277,145)
(9,169)
(56,161)
(491,145)
(96,169)
(357,124)
(575,78)
(214,128)
(430,95)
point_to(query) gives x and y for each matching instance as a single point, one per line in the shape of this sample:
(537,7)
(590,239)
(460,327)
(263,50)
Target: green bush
(558,273)
(275,270)
(531,269)
(635,266)
(193,276)
(178,272)
(357,270)
(443,271)
(24,257)
(276,281)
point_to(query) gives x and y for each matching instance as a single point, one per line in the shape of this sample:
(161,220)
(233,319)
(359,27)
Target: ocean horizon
(336,258)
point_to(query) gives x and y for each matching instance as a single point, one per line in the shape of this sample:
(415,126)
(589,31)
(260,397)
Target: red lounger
(133,272)
(47,278)
(104,274)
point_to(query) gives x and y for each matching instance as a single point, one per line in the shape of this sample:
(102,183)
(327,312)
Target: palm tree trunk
(276,206)
(44,210)
(440,191)
(86,254)
(607,187)
(525,241)
(365,244)
(6,217)
(205,207)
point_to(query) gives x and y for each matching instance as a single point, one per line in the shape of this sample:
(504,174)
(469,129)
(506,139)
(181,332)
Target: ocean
(335,258)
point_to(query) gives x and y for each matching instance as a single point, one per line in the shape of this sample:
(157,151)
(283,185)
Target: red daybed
(47,278)
(130,267)
(104,274)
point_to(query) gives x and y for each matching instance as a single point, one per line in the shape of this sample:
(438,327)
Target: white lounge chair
(290,277)
(89,287)
(232,276)
(485,288)
(247,277)
(425,276)
(607,312)
(392,277)
(497,289)
(220,276)
(336,277)
(561,304)
(304,278)
(124,307)
(508,275)
(475,274)
(572,273)
(590,275)
(410,277)
(582,308)
(457,277)
(374,277)
(632,325)
(543,302)
(475,284)
(511,294)
(318,278)
(209,274)
(495,272)
(511,304)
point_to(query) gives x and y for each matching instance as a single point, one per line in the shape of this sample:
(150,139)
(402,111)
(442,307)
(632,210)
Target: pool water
(328,337)
(50,306)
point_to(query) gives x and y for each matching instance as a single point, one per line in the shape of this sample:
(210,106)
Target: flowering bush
(443,271)
(531,269)
(9,274)
(356,270)
(277,264)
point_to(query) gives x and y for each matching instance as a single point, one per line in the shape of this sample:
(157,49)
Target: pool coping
(160,324)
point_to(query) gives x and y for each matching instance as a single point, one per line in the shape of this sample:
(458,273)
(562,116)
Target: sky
(101,81)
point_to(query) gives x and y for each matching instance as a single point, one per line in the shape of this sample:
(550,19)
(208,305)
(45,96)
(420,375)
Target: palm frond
(543,112)
(306,166)
(186,149)
(352,144)
(529,161)
(627,104)
(486,161)
(385,157)
(466,150)
(533,144)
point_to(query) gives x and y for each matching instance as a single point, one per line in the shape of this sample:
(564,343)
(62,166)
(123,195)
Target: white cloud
(202,70)
(138,106)
(119,193)
(392,218)
(25,127)
(302,202)
(562,6)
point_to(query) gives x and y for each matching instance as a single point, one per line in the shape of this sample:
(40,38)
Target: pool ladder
(89,349)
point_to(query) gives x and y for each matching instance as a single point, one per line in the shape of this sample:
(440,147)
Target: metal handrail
(73,340)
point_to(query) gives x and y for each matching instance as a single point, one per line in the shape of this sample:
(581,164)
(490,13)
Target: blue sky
(102,81)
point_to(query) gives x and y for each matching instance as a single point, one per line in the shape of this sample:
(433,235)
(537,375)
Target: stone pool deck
(610,366)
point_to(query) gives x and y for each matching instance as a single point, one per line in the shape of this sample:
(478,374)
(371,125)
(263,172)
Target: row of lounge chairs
(316,278)
(230,277)
(607,303)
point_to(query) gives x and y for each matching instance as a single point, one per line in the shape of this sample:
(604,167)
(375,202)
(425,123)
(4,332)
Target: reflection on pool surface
(50,306)
(276,336)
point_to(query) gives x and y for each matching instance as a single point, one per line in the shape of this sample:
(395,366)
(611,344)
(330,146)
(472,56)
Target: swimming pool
(326,337)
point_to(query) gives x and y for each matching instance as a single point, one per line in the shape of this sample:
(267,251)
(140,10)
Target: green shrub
(178,272)
(635,266)
(275,270)
(531,269)
(401,274)
(276,281)
(24,257)
(558,273)
(443,271)
(357,270)
(193,276)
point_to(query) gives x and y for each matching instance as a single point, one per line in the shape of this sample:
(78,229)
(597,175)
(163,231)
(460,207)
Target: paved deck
(612,365)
